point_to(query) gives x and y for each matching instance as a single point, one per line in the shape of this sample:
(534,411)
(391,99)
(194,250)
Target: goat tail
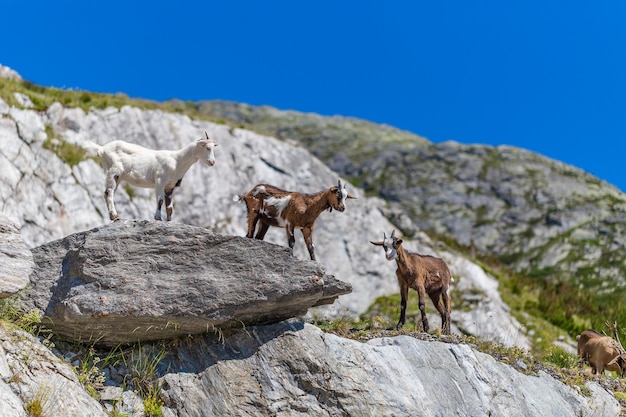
(91,147)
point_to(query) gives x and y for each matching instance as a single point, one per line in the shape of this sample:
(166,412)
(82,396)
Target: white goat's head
(338,196)
(205,150)
(390,244)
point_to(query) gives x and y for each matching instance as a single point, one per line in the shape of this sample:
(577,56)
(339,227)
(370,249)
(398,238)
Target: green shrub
(34,409)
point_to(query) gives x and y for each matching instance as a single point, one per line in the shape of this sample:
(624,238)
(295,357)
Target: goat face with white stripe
(339,194)
(390,244)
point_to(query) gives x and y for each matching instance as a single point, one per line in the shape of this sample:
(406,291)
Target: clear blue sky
(548,76)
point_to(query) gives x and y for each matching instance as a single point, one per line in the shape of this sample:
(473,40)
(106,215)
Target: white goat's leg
(169,204)
(160,198)
(109,193)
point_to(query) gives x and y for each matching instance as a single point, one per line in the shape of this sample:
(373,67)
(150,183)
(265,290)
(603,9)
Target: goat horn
(384,236)
(207,135)
(339,183)
(393,233)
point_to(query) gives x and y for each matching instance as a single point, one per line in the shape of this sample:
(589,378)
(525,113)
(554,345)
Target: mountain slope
(559,227)
(53,189)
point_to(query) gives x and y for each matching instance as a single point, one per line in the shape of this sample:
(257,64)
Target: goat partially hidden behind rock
(162,170)
(601,352)
(424,273)
(272,206)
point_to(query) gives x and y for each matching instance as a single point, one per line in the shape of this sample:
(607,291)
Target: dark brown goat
(601,352)
(424,273)
(271,206)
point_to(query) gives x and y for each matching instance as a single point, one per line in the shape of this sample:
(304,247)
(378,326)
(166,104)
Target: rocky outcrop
(15,258)
(295,369)
(134,281)
(34,382)
(11,74)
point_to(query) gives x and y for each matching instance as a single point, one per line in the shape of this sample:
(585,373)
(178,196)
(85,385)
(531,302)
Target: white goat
(271,206)
(162,170)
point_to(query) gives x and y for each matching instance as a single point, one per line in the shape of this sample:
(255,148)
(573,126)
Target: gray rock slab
(144,280)
(294,369)
(34,375)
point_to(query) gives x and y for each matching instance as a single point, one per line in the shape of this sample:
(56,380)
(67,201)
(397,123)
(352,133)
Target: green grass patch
(68,153)
(560,358)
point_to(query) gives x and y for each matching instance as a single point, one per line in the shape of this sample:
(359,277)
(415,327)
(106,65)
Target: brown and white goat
(271,206)
(601,352)
(162,170)
(424,273)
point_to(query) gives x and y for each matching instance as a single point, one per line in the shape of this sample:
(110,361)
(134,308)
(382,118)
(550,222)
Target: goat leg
(157,213)
(422,304)
(108,198)
(307,232)
(446,306)
(160,197)
(404,294)
(263,228)
(291,239)
(169,205)
(445,320)
(109,193)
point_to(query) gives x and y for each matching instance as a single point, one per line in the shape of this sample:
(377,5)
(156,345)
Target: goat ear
(398,242)
(351,196)
(376,243)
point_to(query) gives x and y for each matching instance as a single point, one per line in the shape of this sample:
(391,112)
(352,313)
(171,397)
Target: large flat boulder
(135,281)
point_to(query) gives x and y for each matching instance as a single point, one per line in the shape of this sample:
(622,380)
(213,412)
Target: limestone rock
(31,374)
(11,74)
(15,258)
(295,369)
(144,280)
